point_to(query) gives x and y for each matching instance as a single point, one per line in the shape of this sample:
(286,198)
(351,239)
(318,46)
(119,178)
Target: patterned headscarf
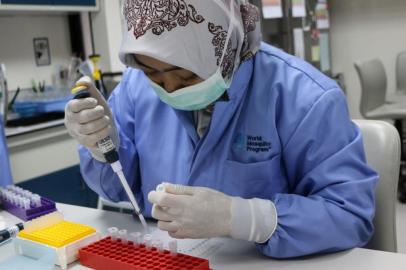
(191,34)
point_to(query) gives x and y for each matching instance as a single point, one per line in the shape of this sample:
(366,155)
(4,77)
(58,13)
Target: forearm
(254,220)
(308,225)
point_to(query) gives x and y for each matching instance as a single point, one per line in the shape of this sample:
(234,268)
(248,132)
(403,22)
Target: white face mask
(200,95)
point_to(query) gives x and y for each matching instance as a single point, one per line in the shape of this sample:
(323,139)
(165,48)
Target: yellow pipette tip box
(58,235)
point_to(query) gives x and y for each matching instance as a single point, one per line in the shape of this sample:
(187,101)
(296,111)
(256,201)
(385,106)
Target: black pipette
(10,232)
(110,153)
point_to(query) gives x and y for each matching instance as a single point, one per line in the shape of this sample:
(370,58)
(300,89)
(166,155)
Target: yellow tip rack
(64,237)
(59,235)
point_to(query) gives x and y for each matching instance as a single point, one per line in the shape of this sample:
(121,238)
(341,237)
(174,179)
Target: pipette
(10,233)
(110,153)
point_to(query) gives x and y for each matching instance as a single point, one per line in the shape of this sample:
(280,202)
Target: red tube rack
(107,254)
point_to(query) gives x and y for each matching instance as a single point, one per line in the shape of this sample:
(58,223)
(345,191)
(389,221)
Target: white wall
(16,46)
(107,31)
(365,29)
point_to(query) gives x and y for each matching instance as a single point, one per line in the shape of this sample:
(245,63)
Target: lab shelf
(107,254)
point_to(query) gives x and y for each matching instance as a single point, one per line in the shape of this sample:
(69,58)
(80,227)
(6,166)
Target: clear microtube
(148,241)
(26,204)
(158,244)
(122,234)
(11,197)
(113,233)
(17,200)
(14,198)
(27,194)
(37,200)
(136,238)
(173,247)
(20,201)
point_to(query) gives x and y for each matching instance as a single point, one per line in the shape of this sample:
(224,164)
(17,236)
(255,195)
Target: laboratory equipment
(25,204)
(113,233)
(50,100)
(122,234)
(44,258)
(97,74)
(86,68)
(110,153)
(173,247)
(136,238)
(148,241)
(10,233)
(107,254)
(158,244)
(73,70)
(3,93)
(63,237)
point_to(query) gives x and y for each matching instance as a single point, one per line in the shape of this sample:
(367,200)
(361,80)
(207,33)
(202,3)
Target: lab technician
(257,144)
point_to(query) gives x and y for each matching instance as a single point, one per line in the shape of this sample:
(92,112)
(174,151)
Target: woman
(258,142)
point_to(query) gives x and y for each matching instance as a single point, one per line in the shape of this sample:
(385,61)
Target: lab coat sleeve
(332,203)
(98,175)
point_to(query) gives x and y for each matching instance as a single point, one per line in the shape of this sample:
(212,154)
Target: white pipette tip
(118,169)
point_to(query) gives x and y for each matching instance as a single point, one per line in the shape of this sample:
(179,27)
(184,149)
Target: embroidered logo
(251,143)
(158,15)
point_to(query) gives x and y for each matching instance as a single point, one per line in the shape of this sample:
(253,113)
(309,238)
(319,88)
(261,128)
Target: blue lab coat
(5,172)
(284,135)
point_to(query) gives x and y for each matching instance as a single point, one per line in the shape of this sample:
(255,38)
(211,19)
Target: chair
(382,148)
(373,79)
(401,72)
(374,106)
(374,75)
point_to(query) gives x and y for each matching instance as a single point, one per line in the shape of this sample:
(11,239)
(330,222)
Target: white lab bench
(232,254)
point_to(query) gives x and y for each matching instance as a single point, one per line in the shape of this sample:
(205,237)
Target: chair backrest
(401,72)
(382,148)
(373,84)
